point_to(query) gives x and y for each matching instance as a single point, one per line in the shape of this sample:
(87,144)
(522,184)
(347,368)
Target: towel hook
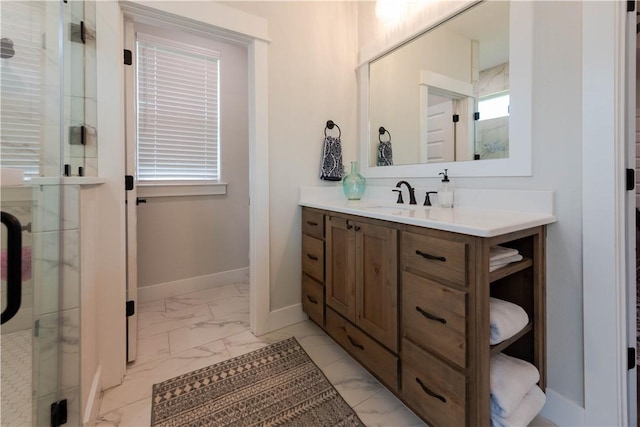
(330,125)
(382,131)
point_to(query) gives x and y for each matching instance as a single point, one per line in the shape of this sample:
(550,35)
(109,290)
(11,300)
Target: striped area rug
(277,385)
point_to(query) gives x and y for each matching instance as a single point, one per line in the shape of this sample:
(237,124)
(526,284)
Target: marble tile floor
(179,334)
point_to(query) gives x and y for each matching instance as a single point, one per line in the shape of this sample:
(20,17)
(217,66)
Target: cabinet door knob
(431,316)
(357,228)
(431,393)
(349,226)
(429,256)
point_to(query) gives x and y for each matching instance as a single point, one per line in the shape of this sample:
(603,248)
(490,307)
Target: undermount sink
(394,209)
(390,208)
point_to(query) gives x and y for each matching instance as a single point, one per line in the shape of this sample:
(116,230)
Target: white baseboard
(286,316)
(94,399)
(562,411)
(192,284)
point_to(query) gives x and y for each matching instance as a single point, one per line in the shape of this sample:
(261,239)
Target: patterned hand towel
(331,168)
(385,156)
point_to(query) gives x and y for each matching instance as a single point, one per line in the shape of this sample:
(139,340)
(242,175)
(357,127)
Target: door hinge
(128,57)
(456,118)
(128,182)
(78,33)
(131,308)
(631,5)
(631,358)
(59,413)
(631,179)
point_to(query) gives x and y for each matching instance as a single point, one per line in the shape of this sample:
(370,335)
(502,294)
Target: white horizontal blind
(177,111)
(21,88)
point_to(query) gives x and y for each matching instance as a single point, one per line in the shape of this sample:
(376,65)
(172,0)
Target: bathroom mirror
(425,92)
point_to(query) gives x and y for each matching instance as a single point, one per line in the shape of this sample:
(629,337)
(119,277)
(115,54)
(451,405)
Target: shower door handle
(14,266)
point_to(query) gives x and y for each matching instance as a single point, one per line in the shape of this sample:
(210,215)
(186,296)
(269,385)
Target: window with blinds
(21,87)
(177,112)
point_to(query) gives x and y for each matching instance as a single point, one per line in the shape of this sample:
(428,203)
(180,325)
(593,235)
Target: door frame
(630,209)
(250,31)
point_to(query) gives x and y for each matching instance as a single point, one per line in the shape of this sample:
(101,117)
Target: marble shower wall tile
(52,201)
(494,79)
(50,292)
(57,352)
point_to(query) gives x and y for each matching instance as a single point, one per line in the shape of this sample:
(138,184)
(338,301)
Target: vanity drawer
(432,388)
(313,299)
(313,223)
(434,317)
(313,257)
(365,349)
(444,259)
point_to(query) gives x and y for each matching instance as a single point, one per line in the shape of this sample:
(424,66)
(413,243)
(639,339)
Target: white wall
(312,60)
(191,236)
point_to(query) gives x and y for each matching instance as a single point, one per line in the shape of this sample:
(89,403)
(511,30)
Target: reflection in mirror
(445,94)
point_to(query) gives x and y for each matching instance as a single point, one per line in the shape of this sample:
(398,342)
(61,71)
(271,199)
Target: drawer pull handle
(431,316)
(312,223)
(429,256)
(355,344)
(430,393)
(312,257)
(312,300)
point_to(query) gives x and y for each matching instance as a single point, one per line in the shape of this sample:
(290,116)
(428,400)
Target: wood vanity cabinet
(313,265)
(411,304)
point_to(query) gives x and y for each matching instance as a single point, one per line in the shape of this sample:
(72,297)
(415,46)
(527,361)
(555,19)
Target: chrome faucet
(412,195)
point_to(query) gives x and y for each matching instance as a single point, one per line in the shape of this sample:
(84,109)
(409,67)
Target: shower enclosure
(48,138)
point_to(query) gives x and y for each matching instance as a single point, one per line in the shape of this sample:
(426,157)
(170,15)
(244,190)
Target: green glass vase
(353,184)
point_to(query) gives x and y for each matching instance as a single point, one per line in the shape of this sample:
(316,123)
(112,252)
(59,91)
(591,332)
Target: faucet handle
(427,200)
(399,196)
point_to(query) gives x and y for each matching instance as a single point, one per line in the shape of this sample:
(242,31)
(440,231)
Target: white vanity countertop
(470,215)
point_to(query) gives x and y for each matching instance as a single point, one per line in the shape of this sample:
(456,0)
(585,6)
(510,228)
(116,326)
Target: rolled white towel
(494,265)
(506,319)
(530,406)
(510,379)
(506,260)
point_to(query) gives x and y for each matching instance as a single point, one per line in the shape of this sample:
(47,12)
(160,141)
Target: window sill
(177,190)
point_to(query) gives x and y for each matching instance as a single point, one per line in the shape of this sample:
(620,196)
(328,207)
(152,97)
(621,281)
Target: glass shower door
(40,339)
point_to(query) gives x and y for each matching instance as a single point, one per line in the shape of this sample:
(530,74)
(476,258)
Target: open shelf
(495,349)
(510,269)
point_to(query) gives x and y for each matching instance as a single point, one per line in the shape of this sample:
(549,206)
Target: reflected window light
(391,12)
(493,107)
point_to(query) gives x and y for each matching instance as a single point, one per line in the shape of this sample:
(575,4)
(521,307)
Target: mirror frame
(519,162)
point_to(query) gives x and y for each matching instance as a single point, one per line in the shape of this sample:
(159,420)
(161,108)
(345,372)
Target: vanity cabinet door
(377,282)
(340,267)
